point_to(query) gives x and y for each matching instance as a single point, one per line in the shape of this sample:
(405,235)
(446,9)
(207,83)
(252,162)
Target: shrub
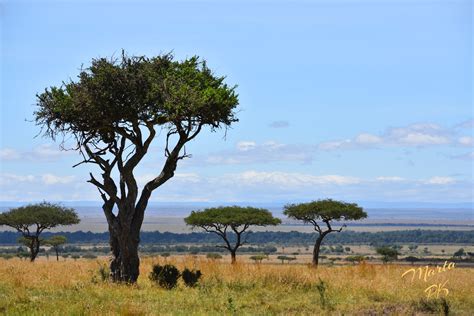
(166,276)
(191,277)
(89,256)
(213,256)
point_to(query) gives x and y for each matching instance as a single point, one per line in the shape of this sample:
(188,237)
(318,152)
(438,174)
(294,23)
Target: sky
(353,100)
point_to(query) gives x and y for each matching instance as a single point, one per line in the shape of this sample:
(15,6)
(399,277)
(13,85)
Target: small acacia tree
(56,242)
(32,220)
(231,219)
(325,211)
(113,112)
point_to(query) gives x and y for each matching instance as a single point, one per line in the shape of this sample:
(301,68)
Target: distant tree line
(276,238)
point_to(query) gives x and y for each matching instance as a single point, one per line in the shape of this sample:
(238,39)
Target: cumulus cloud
(289,179)
(367,139)
(9,154)
(51,179)
(9,178)
(41,153)
(414,135)
(466,141)
(440,180)
(279,124)
(246,145)
(249,152)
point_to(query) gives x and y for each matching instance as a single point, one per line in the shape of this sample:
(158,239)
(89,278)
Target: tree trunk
(232,255)
(57,254)
(125,263)
(34,249)
(317,245)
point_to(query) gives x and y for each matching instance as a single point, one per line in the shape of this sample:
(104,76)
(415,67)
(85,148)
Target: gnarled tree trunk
(34,248)
(124,241)
(317,247)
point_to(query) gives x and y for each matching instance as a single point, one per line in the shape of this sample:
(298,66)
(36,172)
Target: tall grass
(76,288)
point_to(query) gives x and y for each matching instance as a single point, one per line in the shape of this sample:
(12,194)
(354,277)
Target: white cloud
(414,135)
(9,178)
(466,141)
(367,139)
(335,144)
(440,180)
(249,152)
(291,179)
(51,179)
(41,153)
(9,154)
(246,145)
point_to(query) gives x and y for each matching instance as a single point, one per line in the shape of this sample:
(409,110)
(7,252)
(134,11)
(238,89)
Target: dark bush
(191,277)
(166,276)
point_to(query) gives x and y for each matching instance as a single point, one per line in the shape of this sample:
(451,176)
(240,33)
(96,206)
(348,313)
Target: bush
(213,256)
(166,276)
(89,256)
(191,277)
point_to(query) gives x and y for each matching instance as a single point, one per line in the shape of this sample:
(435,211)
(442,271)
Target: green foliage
(166,276)
(55,241)
(213,256)
(355,259)
(459,253)
(326,210)
(285,258)
(258,258)
(387,253)
(232,216)
(89,256)
(44,215)
(136,89)
(191,277)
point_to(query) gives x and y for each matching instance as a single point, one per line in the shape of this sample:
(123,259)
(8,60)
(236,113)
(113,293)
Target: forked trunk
(125,263)
(34,248)
(316,248)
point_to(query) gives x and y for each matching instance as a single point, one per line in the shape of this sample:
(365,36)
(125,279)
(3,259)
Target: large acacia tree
(33,219)
(324,212)
(230,223)
(113,112)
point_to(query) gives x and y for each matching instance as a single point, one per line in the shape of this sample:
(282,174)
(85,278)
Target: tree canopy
(114,96)
(33,219)
(41,216)
(325,210)
(218,220)
(232,216)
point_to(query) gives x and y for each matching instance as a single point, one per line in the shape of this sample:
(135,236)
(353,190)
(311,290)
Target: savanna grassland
(76,288)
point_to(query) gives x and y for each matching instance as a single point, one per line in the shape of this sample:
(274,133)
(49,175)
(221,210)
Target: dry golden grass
(75,288)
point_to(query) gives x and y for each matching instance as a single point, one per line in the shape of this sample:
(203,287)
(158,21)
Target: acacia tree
(32,220)
(56,242)
(324,211)
(113,113)
(230,223)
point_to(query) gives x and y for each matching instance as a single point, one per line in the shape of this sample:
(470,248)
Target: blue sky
(354,100)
